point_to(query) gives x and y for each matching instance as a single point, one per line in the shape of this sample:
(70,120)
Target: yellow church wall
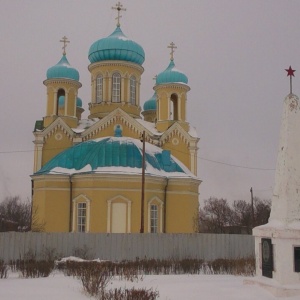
(102,109)
(55,144)
(182,205)
(71,103)
(180,150)
(51,202)
(53,197)
(110,129)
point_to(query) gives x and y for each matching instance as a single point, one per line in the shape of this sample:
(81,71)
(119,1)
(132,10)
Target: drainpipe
(165,206)
(71,203)
(31,208)
(143,185)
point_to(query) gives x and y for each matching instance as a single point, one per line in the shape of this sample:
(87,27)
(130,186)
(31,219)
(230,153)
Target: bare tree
(215,216)
(12,209)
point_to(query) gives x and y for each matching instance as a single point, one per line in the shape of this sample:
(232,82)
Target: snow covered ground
(170,287)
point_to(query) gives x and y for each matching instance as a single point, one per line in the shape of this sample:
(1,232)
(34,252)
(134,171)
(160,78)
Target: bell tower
(171,89)
(62,89)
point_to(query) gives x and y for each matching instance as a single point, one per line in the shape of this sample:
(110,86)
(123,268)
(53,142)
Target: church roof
(115,155)
(171,75)
(63,70)
(116,47)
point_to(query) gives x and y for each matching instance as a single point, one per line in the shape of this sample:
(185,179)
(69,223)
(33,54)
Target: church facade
(123,169)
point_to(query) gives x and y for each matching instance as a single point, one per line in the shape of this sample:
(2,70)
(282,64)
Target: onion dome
(115,155)
(116,47)
(61,101)
(150,104)
(63,70)
(78,102)
(171,75)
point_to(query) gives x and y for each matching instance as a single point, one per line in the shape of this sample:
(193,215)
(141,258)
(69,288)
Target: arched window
(116,87)
(81,214)
(81,217)
(99,89)
(60,93)
(132,90)
(174,107)
(153,218)
(155,215)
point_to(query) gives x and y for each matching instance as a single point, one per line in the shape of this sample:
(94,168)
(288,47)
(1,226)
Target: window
(81,217)
(153,218)
(99,89)
(297,259)
(116,87)
(132,90)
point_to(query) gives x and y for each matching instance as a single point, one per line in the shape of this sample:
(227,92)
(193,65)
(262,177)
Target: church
(124,169)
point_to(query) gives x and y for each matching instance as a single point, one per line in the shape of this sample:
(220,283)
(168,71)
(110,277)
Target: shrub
(32,268)
(3,269)
(130,294)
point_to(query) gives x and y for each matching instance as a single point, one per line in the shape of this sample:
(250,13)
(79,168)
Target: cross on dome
(65,41)
(172,46)
(119,8)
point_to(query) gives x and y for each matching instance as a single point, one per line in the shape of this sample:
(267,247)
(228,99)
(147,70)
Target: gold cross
(65,41)
(172,46)
(119,7)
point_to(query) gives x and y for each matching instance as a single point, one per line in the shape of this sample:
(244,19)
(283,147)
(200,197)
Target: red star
(290,71)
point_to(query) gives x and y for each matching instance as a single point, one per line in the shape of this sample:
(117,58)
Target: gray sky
(233,52)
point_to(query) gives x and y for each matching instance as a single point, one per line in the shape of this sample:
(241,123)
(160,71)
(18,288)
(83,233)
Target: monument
(277,243)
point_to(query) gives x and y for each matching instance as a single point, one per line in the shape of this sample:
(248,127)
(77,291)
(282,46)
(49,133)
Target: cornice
(62,80)
(115,63)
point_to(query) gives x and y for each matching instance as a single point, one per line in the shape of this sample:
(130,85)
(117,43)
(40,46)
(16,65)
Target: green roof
(111,152)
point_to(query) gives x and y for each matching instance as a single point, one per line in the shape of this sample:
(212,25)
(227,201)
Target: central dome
(116,47)
(115,155)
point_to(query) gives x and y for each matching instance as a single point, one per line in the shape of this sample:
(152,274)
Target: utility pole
(143,184)
(252,208)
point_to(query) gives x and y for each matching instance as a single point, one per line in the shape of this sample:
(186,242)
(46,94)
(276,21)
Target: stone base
(274,287)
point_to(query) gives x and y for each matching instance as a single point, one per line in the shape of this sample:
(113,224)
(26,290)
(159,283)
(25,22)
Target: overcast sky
(234,53)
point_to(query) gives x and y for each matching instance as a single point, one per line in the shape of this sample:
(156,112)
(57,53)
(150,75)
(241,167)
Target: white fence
(117,247)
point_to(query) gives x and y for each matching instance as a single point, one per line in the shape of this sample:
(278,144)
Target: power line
(201,158)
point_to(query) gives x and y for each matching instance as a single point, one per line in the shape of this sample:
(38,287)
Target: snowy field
(170,287)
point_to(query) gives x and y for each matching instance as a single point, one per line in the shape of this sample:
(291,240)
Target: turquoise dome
(109,154)
(151,103)
(78,102)
(171,75)
(116,47)
(63,70)
(61,101)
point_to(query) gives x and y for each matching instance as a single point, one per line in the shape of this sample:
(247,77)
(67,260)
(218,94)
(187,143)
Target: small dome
(115,154)
(151,103)
(61,101)
(171,75)
(78,102)
(63,70)
(116,47)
